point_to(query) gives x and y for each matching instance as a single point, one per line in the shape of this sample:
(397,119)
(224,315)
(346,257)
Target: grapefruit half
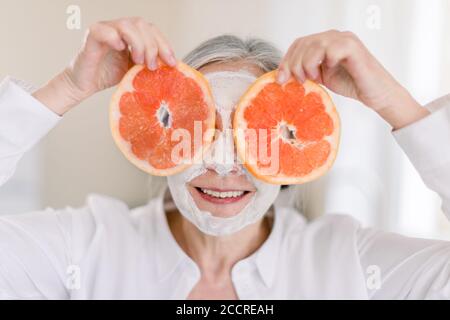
(149,106)
(301,125)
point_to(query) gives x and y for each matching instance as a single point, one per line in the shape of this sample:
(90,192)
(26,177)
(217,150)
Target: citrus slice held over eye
(286,134)
(150,108)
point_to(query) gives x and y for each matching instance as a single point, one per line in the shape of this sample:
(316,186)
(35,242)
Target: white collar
(170,255)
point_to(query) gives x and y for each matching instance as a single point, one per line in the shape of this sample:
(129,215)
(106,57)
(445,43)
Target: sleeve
(23,122)
(35,254)
(34,246)
(427,145)
(409,268)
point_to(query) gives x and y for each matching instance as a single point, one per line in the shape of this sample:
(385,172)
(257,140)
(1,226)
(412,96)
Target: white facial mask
(227,88)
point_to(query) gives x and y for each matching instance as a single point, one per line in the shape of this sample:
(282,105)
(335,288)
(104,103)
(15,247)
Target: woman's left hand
(341,62)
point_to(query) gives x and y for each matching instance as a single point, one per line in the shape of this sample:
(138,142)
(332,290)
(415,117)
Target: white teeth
(228,194)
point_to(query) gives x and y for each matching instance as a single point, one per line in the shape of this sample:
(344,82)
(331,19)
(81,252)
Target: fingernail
(282,77)
(300,78)
(139,60)
(153,65)
(172,60)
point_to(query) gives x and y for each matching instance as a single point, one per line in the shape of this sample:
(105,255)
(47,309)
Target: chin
(221,203)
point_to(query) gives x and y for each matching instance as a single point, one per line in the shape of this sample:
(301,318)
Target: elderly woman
(158,251)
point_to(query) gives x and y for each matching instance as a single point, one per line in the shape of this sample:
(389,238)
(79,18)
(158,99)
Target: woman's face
(224,195)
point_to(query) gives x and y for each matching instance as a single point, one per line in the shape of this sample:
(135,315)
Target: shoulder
(333,225)
(107,210)
(115,214)
(108,222)
(327,230)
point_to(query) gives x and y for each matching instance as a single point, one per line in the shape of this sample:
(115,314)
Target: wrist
(59,94)
(403,111)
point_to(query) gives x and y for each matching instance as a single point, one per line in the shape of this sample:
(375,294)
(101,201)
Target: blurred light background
(371,180)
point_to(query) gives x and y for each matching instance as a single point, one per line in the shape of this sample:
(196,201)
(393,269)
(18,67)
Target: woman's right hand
(109,49)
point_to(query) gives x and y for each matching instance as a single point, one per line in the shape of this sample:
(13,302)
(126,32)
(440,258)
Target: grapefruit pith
(149,106)
(286,134)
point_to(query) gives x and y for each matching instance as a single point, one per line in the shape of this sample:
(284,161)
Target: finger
(312,60)
(151,51)
(165,51)
(151,45)
(132,36)
(156,44)
(333,56)
(296,63)
(101,34)
(284,72)
(341,50)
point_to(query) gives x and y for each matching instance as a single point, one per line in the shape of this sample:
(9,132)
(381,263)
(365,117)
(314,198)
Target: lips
(221,196)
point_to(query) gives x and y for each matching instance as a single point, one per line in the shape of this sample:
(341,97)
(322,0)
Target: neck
(215,256)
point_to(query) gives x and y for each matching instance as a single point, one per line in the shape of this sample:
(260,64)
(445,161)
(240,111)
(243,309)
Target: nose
(222,154)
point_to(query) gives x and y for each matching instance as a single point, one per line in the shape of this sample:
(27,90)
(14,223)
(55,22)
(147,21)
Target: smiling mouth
(222,196)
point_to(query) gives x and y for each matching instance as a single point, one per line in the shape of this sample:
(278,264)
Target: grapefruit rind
(126,85)
(240,125)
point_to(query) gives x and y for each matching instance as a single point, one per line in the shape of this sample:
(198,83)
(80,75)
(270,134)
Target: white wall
(371,178)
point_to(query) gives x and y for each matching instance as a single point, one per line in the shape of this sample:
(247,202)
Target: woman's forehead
(228,86)
(232,66)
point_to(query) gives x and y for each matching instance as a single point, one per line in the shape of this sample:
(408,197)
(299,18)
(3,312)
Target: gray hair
(226,48)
